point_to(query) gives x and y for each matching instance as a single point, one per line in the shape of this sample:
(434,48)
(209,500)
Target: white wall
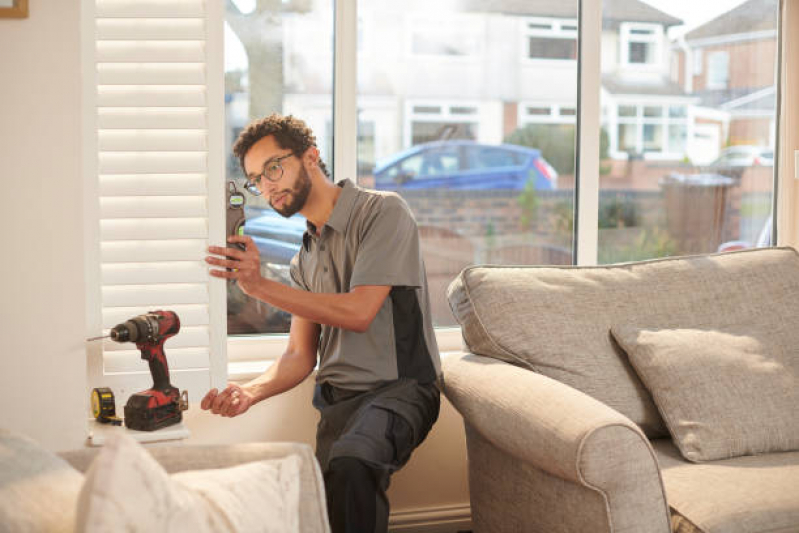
(42,324)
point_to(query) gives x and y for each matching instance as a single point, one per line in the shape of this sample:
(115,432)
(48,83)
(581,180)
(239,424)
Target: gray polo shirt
(371,238)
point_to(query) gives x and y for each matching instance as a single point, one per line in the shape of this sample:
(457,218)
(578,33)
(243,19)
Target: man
(359,298)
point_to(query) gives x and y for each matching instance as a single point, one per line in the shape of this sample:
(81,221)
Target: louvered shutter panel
(160,186)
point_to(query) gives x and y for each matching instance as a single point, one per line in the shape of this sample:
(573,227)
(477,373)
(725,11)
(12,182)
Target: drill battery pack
(151,410)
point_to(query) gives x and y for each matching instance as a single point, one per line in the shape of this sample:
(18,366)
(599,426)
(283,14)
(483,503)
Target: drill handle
(158,367)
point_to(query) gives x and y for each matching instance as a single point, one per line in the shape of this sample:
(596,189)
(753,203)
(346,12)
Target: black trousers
(363,438)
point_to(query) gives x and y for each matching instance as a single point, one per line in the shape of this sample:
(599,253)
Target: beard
(296,196)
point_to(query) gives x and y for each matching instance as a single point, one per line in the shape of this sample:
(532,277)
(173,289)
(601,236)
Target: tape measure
(104,406)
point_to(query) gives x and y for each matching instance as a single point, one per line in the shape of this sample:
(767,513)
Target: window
(403,104)
(444,126)
(698,61)
(294,76)
(683,173)
(718,70)
(641,44)
(437,122)
(550,39)
(642,129)
(541,113)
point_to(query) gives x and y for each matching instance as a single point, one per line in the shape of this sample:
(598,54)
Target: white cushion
(38,489)
(127,490)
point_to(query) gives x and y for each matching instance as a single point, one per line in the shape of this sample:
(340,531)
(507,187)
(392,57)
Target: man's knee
(348,472)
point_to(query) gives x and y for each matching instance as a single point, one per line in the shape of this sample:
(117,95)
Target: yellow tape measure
(104,407)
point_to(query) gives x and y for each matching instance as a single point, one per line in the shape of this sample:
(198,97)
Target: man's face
(288,194)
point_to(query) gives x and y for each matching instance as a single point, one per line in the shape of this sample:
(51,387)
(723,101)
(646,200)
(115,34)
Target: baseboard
(442,519)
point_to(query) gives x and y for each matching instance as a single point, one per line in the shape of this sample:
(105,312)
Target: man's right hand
(232,401)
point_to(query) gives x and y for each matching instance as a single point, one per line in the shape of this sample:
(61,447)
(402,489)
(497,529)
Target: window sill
(100,433)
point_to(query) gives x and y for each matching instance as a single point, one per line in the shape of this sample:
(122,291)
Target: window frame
(258,351)
(626,38)
(556,31)
(712,67)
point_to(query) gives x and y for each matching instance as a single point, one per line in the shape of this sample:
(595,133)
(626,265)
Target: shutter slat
(151,74)
(150,29)
(152,140)
(133,251)
(152,185)
(153,229)
(177,359)
(151,117)
(150,51)
(153,207)
(190,315)
(150,96)
(148,273)
(150,9)
(151,162)
(155,295)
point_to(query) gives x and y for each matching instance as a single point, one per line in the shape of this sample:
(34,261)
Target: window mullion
(345,87)
(588,127)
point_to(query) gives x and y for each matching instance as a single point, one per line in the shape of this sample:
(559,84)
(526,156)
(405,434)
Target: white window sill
(100,433)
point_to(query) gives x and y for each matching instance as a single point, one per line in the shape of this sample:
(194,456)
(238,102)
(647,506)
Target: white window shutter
(156,190)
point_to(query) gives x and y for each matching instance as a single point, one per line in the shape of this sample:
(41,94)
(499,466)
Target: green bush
(556,142)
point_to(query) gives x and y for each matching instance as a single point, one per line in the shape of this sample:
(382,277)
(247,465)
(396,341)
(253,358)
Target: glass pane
(489,174)
(692,171)
(291,73)
(549,48)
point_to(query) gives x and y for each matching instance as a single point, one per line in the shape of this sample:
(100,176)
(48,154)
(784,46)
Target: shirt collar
(342,210)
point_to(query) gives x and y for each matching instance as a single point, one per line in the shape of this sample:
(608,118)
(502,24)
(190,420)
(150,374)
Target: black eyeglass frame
(251,186)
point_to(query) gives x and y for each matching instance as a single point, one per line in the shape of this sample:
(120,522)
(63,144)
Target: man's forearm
(286,373)
(340,310)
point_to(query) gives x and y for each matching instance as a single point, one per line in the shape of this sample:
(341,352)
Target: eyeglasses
(272,171)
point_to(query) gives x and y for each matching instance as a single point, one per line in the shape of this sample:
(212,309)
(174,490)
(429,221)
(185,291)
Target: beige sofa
(562,434)
(39,490)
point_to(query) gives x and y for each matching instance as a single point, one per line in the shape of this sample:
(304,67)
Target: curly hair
(289,133)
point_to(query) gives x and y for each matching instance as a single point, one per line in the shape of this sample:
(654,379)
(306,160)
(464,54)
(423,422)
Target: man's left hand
(244,265)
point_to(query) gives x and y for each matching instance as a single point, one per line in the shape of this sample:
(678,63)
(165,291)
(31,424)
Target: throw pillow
(38,489)
(127,490)
(723,393)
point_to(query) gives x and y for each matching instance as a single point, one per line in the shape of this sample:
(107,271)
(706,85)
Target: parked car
(745,156)
(763,240)
(465,165)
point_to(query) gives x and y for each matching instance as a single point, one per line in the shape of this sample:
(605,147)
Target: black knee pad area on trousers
(355,500)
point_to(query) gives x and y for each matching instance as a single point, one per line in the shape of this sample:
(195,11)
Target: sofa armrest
(563,432)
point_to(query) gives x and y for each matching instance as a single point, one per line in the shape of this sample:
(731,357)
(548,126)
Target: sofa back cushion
(557,320)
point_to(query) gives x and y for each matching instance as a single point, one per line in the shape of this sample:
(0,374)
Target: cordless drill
(161,405)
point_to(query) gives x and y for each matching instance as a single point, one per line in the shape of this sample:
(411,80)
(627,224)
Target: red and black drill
(162,405)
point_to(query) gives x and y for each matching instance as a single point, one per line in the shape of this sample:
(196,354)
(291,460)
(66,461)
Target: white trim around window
(639,32)
(533,112)
(547,28)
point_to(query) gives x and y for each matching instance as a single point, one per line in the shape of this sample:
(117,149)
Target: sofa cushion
(38,489)
(724,392)
(739,495)
(127,490)
(556,320)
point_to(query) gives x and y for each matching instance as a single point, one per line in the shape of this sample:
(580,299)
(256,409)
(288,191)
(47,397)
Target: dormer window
(641,44)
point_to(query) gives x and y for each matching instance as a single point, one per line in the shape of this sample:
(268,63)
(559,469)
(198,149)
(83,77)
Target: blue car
(277,238)
(465,165)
